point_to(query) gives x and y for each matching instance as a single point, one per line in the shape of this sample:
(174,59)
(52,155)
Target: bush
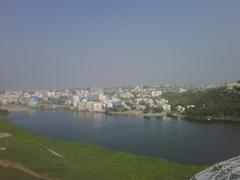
(3,111)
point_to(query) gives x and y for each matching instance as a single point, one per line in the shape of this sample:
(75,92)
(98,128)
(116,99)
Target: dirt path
(20,167)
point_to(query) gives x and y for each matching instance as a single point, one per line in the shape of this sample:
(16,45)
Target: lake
(185,142)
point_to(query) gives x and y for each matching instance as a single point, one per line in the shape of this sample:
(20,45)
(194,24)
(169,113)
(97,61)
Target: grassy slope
(83,161)
(12,174)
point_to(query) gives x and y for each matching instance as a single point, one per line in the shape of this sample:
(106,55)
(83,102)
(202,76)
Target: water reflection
(177,140)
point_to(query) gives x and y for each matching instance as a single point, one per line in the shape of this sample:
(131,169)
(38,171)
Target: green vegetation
(12,174)
(3,111)
(153,110)
(216,103)
(116,109)
(80,160)
(149,109)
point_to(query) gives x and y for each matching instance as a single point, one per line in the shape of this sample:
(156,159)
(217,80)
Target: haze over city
(62,44)
(128,89)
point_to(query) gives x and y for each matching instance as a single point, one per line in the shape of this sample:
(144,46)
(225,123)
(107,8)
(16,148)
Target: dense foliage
(215,102)
(3,111)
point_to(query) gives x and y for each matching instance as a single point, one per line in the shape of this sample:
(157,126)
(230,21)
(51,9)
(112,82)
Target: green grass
(81,160)
(12,174)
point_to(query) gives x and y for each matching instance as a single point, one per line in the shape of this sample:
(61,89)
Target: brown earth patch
(22,168)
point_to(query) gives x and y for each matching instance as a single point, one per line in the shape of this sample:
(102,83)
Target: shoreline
(213,119)
(14,108)
(77,157)
(138,113)
(194,118)
(23,108)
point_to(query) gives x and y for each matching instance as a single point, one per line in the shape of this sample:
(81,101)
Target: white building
(166,107)
(156,93)
(82,106)
(3,100)
(102,97)
(191,106)
(90,106)
(181,90)
(50,94)
(180,108)
(75,100)
(98,107)
(126,95)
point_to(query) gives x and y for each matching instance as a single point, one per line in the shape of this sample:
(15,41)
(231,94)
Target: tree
(157,109)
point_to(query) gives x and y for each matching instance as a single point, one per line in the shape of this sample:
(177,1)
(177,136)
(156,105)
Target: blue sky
(65,44)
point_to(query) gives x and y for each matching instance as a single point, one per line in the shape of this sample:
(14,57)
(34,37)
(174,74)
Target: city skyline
(70,44)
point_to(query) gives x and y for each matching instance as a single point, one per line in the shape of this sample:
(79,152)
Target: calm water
(180,141)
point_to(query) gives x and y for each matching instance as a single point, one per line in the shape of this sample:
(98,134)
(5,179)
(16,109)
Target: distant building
(190,106)
(50,94)
(166,107)
(114,103)
(126,95)
(156,93)
(140,107)
(180,108)
(181,90)
(102,97)
(162,101)
(57,94)
(98,107)
(233,87)
(33,100)
(82,106)
(75,100)
(3,100)
(62,99)
(90,106)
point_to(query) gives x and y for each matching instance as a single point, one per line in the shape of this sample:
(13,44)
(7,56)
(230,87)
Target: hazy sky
(74,43)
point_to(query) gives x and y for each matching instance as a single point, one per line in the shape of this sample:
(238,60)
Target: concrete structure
(156,93)
(180,108)
(76,100)
(90,106)
(3,100)
(233,87)
(82,106)
(126,95)
(98,107)
(114,103)
(166,107)
(33,101)
(226,170)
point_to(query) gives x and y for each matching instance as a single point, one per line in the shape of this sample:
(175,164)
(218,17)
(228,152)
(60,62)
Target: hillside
(216,104)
